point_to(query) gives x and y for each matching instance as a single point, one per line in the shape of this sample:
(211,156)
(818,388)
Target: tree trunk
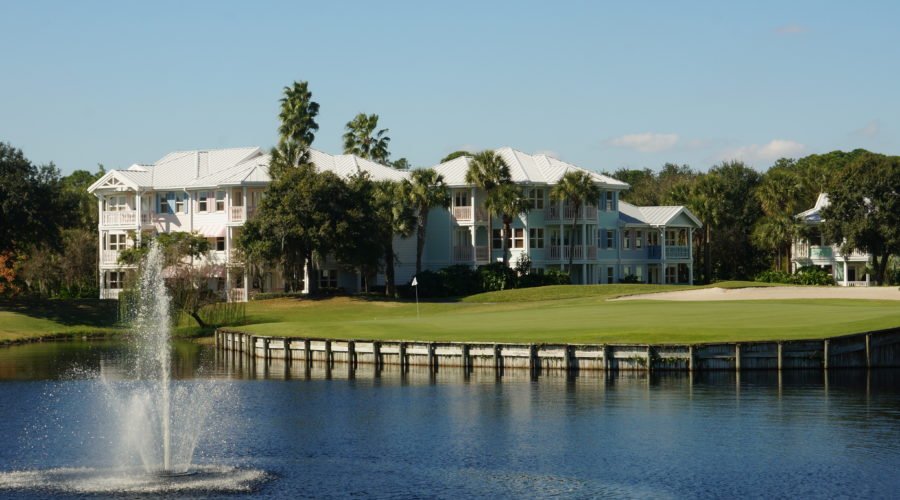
(505,236)
(881,268)
(389,286)
(572,241)
(196,316)
(312,285)
(420,239)
(490,235)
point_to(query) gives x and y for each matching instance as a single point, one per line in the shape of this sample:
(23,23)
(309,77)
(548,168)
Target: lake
(332,433)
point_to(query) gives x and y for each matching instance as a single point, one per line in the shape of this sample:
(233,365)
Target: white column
(845,272)
(662,256)
(244,195)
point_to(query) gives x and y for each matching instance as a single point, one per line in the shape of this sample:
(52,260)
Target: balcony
(582,252)
(481,253)
(465,214)
(654,252)
(235,256)
(237,295)
(109,256)
(820,252)
(462,253)
(678,252)
(110,293)
(586,212)
(146,218)
(119,218)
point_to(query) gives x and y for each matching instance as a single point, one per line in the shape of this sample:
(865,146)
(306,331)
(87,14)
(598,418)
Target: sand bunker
(774,293)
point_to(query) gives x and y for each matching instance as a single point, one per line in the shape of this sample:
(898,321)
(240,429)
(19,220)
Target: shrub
(277,295)
(807,275)
(495,277)
(630,279)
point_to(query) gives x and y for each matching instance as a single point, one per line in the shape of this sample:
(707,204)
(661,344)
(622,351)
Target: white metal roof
(524,169)
(654,215)
(231,167)
(812,215)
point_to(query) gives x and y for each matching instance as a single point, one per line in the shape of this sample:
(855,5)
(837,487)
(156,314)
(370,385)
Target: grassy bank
(29,319)
(570,314)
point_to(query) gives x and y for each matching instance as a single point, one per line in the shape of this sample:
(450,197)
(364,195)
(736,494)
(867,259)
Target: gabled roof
(524,169)
(654,216)
(230,167)
(812,215)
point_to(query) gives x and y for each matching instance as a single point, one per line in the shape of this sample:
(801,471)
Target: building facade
(212,193)
(847,270)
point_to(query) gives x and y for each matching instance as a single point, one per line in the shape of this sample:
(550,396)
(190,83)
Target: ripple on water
(207,478)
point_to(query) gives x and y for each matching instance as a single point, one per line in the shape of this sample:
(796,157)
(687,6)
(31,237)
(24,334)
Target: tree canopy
(364,141)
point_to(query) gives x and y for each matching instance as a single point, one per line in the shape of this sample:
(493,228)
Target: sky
(603,85)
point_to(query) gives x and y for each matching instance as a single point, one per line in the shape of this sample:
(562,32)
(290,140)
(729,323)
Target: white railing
(237,295)
(586,212)
(119,218)
(462,213)
(481,253)
(462,253)
(236,214)
(562,252)
(109,256)
(235,256)
(146,218)
(678,252)
(110,293)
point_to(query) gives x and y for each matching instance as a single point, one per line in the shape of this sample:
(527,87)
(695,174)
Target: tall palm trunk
(389,277)
(490,235)
(420,238)
(312,275)
(506,236)
(572,238)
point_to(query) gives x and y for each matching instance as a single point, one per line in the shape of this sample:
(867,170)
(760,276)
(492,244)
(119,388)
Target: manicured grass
(571,314)
(23,319)
(597,291)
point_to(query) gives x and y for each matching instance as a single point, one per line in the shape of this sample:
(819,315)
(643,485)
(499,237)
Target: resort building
(212,193)
(847,270)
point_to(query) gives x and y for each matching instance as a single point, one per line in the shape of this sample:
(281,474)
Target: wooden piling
(825,353)
(868,351)
(737,357)
(780,356)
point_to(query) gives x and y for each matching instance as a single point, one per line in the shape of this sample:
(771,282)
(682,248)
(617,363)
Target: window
(220,201)
(639,273)
(626,239)
(670,274)
(179,203)
(626,271)
(117,203)
(328,278)
(220,284)
(670,237)
(496,240)
(536,237)
(201,201)
(610,201)
(610,238)
(220,244)
(115,279)
(638,239)
(536,197)
(652,238)
(461,199)
(116,241)
(609,275)
(518,237)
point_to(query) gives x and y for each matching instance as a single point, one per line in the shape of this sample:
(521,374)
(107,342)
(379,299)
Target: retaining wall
(863,350)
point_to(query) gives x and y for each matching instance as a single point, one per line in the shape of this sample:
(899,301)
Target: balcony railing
(654,252)
(462,253)
(586,212)
(110,293)
(236,214)
(581,252)
(820,252)
(109,257)
(119,218)
(235,256)
(146,218)
(481,253)
(678,252)
(462,213)
(237,295)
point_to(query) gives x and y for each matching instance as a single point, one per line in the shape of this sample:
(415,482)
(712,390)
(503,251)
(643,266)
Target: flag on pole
(414,282)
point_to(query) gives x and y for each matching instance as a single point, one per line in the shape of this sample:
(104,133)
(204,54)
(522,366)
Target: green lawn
(20,319)
(570,314)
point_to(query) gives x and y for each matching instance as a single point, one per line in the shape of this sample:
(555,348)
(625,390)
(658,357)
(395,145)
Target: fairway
(587,319)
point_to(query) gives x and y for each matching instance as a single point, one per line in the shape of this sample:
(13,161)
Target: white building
(214,192)
(847,270)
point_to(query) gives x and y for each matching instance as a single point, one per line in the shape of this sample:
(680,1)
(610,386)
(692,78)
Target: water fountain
(154,424)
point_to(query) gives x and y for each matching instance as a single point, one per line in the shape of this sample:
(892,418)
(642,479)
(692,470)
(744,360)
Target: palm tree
(509,202)
(488,171)
(359,140)
(780,195)
(578,187)
(396,217)
(424,190)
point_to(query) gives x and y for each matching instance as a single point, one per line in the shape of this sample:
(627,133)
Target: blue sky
(603,85)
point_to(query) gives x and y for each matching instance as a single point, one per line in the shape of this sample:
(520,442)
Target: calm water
(329,433)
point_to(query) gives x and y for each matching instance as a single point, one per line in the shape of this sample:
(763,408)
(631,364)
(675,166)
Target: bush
(630,279)
(807,275)
(277,295)
(496,276)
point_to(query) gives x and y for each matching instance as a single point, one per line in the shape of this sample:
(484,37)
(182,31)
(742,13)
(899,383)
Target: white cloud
(792,29)
(870,130)
(548,152)
(755,153)
(645,143)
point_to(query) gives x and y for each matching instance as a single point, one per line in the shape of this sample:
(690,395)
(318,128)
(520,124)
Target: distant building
(212,193)
(847,270)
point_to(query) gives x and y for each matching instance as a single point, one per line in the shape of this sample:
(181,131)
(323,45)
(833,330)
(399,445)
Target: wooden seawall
(864,350)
